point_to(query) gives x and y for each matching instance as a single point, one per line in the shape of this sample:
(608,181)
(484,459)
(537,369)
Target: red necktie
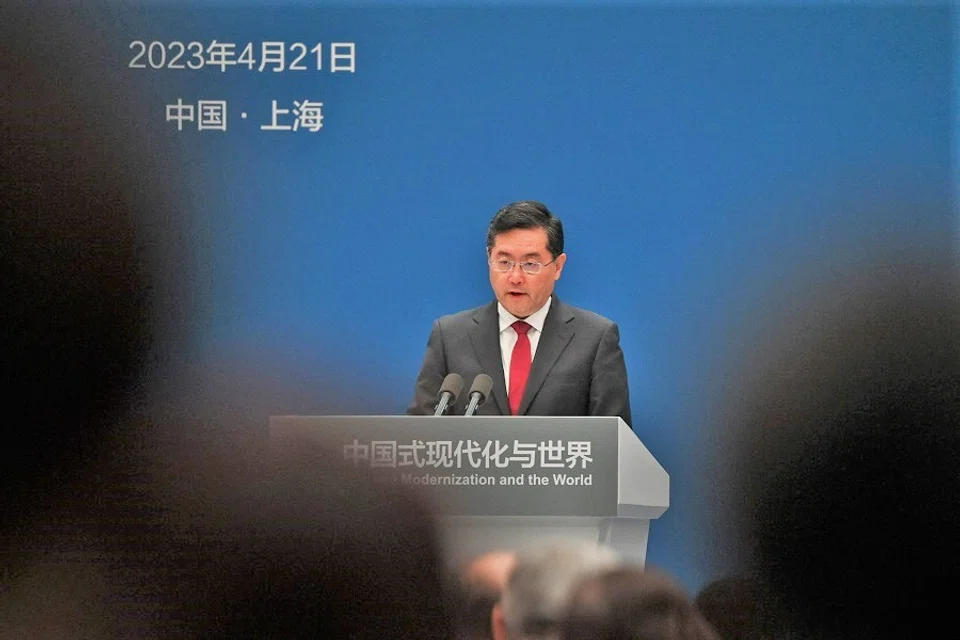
(519,365)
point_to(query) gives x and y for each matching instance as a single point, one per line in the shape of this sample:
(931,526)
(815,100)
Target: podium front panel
(484,465)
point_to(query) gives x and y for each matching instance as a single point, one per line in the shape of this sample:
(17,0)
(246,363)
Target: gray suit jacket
(578,369)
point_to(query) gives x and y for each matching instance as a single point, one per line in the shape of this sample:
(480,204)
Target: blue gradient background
(700,157)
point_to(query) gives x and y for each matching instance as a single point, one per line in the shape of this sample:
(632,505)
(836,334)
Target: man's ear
(560,261)
(497,623)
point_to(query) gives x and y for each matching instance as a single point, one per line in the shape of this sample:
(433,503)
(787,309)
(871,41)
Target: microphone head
(452,384)
(482,384)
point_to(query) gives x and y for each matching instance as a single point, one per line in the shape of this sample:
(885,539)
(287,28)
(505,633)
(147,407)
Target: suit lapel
(556,335)
(486,344)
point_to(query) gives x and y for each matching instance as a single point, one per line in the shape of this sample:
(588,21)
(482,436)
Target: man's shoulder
(467,316)
(585,316)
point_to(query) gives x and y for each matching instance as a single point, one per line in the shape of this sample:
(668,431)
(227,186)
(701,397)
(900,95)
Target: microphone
(449,391)
(479,392)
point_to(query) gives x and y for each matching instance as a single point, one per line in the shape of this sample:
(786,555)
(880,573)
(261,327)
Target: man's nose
(517,274)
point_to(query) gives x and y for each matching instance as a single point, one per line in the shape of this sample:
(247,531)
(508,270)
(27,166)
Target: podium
(504,482)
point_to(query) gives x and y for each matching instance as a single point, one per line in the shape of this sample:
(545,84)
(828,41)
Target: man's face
(522,293)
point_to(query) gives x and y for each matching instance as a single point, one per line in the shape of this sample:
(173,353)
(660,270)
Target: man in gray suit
(545,357)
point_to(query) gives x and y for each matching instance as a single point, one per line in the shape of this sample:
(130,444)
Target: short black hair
(734,608)
(475,602)
(630,603)
(527,214)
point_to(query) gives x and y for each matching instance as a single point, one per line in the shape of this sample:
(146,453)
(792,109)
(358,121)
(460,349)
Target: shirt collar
(535,319)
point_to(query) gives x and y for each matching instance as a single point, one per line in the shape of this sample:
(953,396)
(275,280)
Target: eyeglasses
(530,268)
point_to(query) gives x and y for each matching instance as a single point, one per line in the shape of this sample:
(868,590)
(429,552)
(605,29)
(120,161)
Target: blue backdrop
(700,157)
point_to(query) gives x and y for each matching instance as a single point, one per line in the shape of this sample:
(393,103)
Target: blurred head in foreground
(110,530)
(632,604)
(482,581)
(86,252)
(291,542)
(843,477)
(535,599)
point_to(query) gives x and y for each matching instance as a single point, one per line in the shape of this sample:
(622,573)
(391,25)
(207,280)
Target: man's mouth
(516,294)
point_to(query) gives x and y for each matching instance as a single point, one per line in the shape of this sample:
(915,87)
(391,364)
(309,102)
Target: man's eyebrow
(529,254)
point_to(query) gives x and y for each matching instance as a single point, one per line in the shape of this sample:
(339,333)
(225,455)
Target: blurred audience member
(732,607)
(88,252)
(631,604)
(293,543)
(844,481)
(481,583)
(114,523)
(535,599)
